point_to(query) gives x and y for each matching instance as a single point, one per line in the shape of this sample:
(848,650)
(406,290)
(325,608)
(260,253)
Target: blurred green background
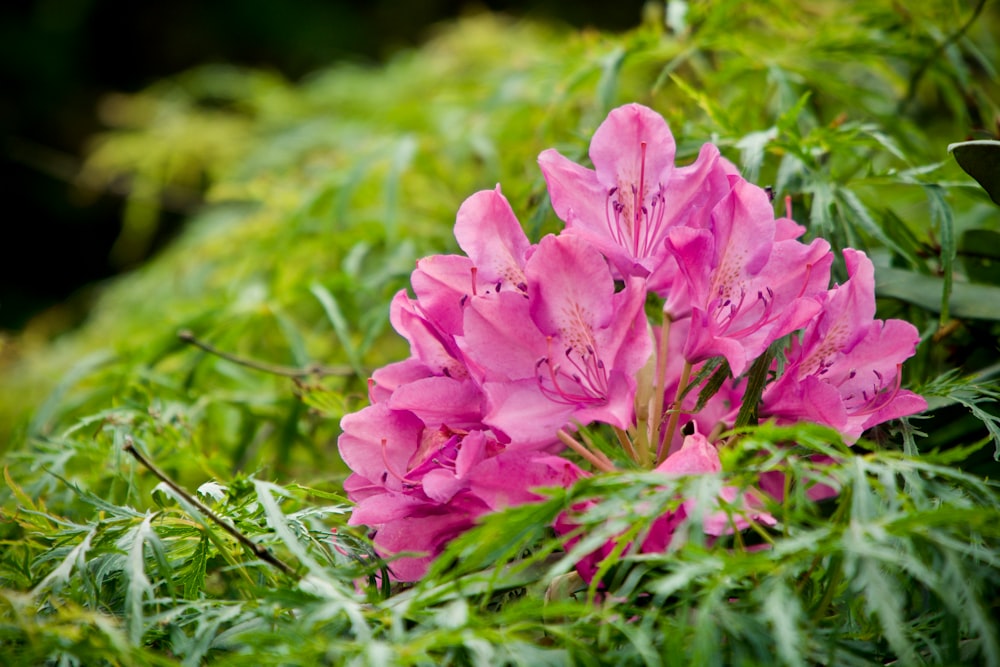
(60,58)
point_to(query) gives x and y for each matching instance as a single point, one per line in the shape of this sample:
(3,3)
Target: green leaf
(139,586)
(756,379)
(981,160)
(977,302)
(942,215)
(340,326)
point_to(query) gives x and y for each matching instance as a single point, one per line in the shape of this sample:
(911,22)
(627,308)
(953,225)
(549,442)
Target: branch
(274,369)
(259,550)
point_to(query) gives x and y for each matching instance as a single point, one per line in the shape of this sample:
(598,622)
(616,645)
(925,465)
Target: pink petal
(440,282)
(576,195)
(520,411)
(571,288)
(360,444)
(696,456)
(616,148)
(440,400)
(489,233)
(500,338)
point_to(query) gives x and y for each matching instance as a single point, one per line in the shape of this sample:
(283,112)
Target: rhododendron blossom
(522,353)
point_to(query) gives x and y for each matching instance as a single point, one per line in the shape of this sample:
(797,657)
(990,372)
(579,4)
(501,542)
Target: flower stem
(626,444)
(659,385)
(663,449)
(596,459)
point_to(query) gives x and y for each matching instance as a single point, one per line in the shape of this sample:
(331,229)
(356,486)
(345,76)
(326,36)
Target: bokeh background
(60,58)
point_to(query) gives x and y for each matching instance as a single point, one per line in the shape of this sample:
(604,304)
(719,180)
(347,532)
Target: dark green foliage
(319,197)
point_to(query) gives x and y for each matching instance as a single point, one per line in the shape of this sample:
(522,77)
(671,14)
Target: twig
(260,551)
(274,369)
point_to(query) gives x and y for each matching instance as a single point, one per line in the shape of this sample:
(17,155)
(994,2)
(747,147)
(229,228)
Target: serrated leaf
(192,577)
(139,586)
(74,560)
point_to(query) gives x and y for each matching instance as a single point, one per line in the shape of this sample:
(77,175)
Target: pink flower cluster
(519,349)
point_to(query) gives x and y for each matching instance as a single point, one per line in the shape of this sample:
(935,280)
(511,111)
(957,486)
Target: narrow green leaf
(941,215)
(607,86)
(139,586)
(340,326)
(192,577)
(714,384)
(784,610)
(756,379)
(978,302)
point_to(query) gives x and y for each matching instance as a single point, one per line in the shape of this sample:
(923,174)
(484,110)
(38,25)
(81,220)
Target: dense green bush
(321,194)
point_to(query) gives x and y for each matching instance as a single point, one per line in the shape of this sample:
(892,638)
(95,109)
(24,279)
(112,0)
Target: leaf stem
(259,550)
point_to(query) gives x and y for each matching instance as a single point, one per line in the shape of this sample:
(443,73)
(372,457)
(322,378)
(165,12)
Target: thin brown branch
(312,370)
(259,550)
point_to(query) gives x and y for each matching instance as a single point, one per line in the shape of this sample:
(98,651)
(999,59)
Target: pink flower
(566,351)
(748,282)
(635,193)
(497,248)
(845,370)
(418,487)
(516,348)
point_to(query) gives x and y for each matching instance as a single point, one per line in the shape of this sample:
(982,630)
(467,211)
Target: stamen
(874,406)
(638,208)
(388,466)
(613,216)
(653,230)
(763,320)
(588,374)
(473,271)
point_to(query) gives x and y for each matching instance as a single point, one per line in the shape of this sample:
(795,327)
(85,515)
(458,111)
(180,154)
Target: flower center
(634,223)
(579,378)
(728,310)
(875,396)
